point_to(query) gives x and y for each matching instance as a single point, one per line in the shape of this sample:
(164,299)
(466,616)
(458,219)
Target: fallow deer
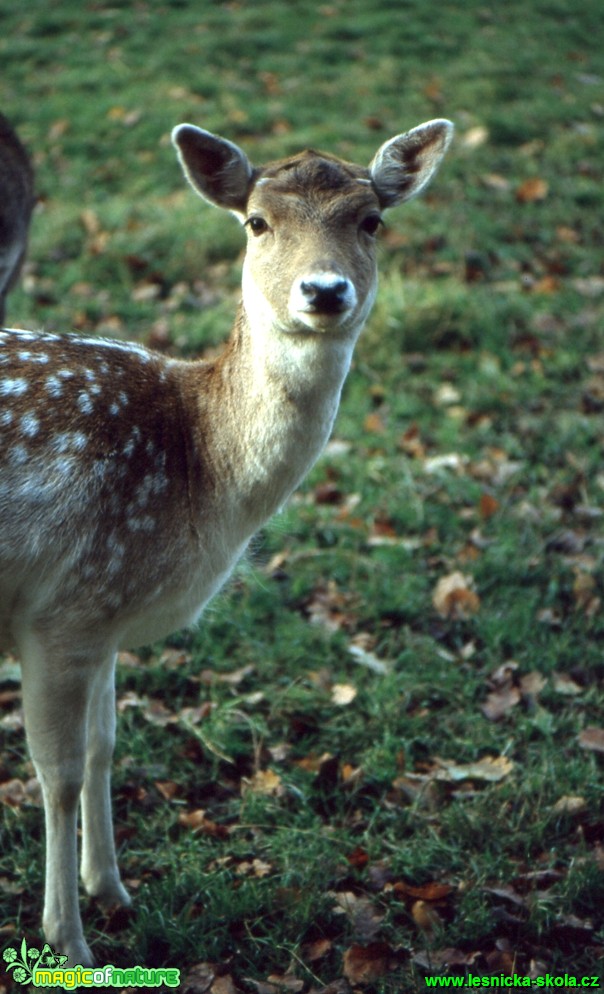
(16,205)
(131,483)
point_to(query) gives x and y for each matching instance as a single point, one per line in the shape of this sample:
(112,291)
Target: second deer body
(131,483)
(16,205)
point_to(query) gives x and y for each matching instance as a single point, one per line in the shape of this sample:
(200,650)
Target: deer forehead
(313,187)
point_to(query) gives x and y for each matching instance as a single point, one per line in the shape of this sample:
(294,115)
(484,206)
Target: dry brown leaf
(488,506)
(570,805)
(531,684)
(359,857)
(197,822)
(489,768)
(365,964)
(374,424)
(425,916)
(253,868)
(264,782)
(453,596)
(564,684)
(475,137)
(312,952)
(287,982)
(329,607)
(172,659)
(224,985)
(425,892)
(360,649)
(532,191)
(435,959)
(168,789)
(199,978)
(365,918)
(343,694)
(14,793)
(156,713)
(500,702)
(592,738)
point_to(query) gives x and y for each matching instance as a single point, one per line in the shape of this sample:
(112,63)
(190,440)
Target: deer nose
(326,293)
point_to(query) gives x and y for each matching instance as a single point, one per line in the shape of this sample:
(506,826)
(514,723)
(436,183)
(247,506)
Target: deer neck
(269,402)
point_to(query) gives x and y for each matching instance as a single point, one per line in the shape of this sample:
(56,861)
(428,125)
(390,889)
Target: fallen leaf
(197,822)
(500,702)
(495,181)
(314,951)
(253,868)
(564,684)
(343,694)
(449,460)
(504,674)
(358,858)
(532,191)
(168,789)
(435,959)
(592,738)
(156,713)
(374,424)
(475,137)
(531,684)
(570,805)
(287,982)
(488,506)
(264,782)
(224,985)
(360,650)
(425,916)
(446,394)
(454,597)
(14,793)
(425,892)
(489,768)
(365,964)
(364,916)
(329,607)
(199,978)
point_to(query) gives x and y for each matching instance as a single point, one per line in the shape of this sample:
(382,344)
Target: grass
(469,441)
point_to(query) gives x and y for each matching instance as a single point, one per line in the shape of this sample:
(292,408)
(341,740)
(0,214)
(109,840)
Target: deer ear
(216,168)
(404,165)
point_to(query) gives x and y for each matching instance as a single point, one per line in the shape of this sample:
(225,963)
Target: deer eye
(370,224)
(257,224)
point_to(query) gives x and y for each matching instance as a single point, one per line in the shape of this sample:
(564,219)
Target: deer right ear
(216,168)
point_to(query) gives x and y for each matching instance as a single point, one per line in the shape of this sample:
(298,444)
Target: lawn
(379,758)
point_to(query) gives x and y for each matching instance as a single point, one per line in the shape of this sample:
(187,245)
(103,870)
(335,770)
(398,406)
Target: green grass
(485,347)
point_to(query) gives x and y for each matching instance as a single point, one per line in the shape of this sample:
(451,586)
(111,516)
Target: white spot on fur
(30,425)
(14,387)
(85,403)
(144,524)
(18,455)
(70,441)
(54,386)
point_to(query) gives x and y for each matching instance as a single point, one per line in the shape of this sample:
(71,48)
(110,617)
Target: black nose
(325,294)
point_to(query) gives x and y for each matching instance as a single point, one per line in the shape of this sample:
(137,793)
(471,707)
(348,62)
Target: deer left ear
(403,166)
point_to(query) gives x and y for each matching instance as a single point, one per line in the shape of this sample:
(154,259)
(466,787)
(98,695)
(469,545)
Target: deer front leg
(55,699)
(99,864)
